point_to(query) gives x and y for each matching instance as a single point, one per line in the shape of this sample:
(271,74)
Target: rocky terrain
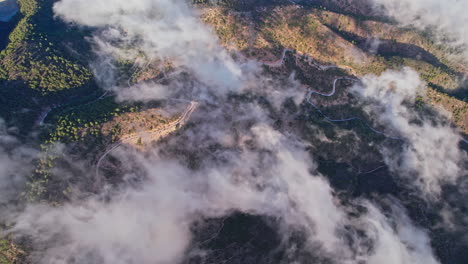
(229,131)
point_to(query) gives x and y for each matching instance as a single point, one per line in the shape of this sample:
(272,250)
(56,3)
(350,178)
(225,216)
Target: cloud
(144,92)
(136,223)
(162,29)
(137,226)
(230,158)
(404,243)
(430,156)
(266,174)
(447,18)
(15,164)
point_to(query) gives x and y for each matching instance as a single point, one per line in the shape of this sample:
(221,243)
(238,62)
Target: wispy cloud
(430,155)
(445,18)
(268,174)
(163,29)
(15,164)
(231,159)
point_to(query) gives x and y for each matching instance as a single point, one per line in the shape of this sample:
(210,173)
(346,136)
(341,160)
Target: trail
(311,92)
(309,101)
(280,62)
(43,115)
(154,134)
(371,171)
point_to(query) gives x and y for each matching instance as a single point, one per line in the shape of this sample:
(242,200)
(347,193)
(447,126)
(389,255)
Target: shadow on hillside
(391,48)
(6,28)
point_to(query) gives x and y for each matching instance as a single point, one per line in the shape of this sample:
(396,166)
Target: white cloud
(161,29)
(446,17)
(250,167)
(405,244)
(144,92)
(430,156)
(15,164)
(268,175)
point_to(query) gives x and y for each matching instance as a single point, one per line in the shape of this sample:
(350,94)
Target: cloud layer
(268,174)
(15,164)
(230,159)
(163,29)
(430,156)
(447,18)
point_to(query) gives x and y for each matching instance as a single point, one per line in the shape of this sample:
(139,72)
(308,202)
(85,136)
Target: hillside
(337,39)
(229,131)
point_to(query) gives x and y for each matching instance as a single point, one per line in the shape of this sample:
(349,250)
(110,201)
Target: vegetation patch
(9,252)
(33,55)
(344,40)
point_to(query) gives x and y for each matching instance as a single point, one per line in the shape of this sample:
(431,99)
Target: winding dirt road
(311,92)
(309,101)
(154,134)
(280,62)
